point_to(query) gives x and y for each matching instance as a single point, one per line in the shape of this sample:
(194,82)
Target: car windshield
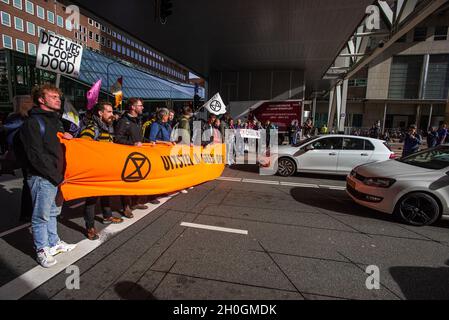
(436,158)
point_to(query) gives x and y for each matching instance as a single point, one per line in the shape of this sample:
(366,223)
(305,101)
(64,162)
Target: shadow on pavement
(336,201)
(132,291)
(10,199)
(422,283)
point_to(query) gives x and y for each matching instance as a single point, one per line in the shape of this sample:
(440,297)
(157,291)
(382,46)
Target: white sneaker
(45,259)
(184,191)
(61,247)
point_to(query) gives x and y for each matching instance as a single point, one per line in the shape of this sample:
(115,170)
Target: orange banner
(108,169)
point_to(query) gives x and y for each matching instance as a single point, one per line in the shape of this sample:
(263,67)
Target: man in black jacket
(129,131)
(44,163)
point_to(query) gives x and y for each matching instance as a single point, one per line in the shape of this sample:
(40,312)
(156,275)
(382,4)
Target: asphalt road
(244,236)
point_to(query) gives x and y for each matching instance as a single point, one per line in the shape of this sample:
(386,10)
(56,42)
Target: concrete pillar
(385,118)
(314,111)
(429,123)
(332,107)
(342,114)
(418,116)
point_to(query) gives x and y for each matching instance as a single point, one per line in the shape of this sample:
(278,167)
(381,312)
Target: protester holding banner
(161,129)
(99,129)
(217,137)
(185,126)
(44,163)
(208,130)
(129,131)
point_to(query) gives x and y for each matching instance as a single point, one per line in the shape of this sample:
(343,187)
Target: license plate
(351,183)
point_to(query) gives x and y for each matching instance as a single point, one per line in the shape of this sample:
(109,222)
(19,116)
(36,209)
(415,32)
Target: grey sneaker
(61,247)
(45,259)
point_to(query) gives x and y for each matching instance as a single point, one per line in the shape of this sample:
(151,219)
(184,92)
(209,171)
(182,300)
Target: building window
(103,28)
(17,4)
(18,24)
(109,31)
(123,50)
(109,43)
(31,29)
(97,38)
(420,34)
(6,19)
(405,77)
(50,17)
(114,34)
(97,25)
(119,36)
(90,35)
(39,30)
(60,21)
(5,1)
(32,49)
(84,39)
(357,83)
(90,21)
(114,46)
(40,12)
(20,45)
(103,41)
(440,33)
(29,7)
(128,53)
(437,85)
(7,42)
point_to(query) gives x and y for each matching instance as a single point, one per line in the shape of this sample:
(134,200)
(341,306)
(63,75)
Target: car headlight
(379,182)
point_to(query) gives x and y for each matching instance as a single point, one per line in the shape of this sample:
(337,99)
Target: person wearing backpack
(11,162)
(99,129)
(44,165)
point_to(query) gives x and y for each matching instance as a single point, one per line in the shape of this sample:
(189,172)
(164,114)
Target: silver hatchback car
(414,188)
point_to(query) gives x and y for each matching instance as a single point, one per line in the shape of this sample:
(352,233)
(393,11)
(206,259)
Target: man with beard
(99,129)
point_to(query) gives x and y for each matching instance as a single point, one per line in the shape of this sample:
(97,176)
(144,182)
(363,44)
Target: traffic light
(165,10)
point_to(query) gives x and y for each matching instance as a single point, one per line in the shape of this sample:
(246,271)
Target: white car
(414,188)
(330,154)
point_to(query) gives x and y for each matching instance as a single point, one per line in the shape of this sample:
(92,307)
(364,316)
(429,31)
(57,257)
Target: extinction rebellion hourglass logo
(137,168)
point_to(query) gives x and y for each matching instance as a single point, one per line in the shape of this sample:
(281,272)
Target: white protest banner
(215,105)
(249,133)
(58,54)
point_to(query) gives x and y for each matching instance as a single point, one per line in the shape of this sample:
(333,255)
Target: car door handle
(332,154)
(364,154)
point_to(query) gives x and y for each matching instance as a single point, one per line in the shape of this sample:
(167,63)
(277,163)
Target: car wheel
(418,209)
(286,167)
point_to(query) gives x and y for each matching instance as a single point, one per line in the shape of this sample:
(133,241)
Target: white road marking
(332,187)
(5,233)
(282,183)
(203,226)
(293,184)
(37,276)
(261,181)
(230,179)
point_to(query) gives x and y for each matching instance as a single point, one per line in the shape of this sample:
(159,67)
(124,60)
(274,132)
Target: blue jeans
(45,211)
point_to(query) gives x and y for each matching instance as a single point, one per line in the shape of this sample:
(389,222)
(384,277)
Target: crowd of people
(32,139)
